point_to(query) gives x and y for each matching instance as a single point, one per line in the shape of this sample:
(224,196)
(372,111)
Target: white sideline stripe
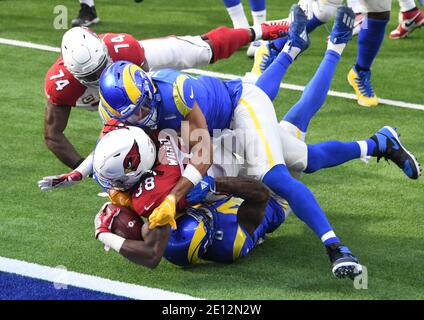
(350,96)
(294,87)
(86,281)
(27,44)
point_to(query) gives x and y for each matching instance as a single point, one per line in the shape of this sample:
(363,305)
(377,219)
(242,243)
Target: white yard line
(60,277)
(350,96)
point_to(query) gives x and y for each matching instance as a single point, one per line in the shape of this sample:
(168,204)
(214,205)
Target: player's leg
(87,14)
(258,10)
(384,144)
(306,207)
(236,12)
(268,51)
(298,41)
(316,91)
(256,127)
(370,39)
(410,18)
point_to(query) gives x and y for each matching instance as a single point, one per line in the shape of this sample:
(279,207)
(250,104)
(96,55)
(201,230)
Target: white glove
(60,181)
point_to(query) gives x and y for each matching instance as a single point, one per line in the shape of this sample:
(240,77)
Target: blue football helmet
(128,94)
(189,242)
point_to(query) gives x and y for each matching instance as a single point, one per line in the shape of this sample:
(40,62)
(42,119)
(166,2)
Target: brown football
(127,223)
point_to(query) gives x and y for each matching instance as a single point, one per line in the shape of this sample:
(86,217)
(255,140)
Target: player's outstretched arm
(55,122)
(68,179)
(146,252)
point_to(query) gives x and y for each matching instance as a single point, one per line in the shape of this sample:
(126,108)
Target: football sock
(333,153)
(369,42)
(315,93)
(270,80)
(236,13)
(225,41)
(301,201)
(330,154)
(258,11)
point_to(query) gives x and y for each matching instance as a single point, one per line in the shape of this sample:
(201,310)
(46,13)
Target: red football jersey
(152,190)
(63,89)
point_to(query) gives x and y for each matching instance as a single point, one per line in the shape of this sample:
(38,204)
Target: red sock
(225,41)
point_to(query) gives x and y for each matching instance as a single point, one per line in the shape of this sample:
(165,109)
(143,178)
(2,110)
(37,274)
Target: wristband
(192,174)
(111,240)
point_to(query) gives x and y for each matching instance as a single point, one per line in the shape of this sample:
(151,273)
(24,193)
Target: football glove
(60,181)
(199,192)
(104,219)
(164,213)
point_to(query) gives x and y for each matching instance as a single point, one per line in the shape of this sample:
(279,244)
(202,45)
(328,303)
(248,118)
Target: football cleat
(359,19)
(344,263)
(254,45)
(86,16)
(298,36)
(264,56)
(361,83)
(408,22)
(343,26)
(390,147)
(275,29)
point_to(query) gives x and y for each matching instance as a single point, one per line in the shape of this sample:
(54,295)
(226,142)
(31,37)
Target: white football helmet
(122,157)
(84,55)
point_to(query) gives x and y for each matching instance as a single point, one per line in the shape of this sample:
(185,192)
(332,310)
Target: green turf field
(374,208)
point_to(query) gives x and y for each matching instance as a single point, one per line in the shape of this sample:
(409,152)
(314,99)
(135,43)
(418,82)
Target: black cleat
(390,147)
(344,263)
(86,16)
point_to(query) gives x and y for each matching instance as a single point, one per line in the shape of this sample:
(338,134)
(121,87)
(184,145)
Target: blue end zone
(16,287)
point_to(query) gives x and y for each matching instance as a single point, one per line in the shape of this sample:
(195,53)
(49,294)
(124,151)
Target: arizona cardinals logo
(132,159)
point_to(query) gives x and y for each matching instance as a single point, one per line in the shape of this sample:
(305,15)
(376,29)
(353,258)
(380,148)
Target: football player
(73,79)
(288,153)
(410,17)
(370,39)
(221,231)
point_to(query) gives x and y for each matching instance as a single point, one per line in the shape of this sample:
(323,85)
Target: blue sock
(270,80)
(257,5)
(330,154)
(315,93)
(369,41)
(231,3)
(312,24)
(299,197)
(371,146)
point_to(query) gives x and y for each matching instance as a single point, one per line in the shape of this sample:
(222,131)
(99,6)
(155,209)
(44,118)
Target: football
(127,223)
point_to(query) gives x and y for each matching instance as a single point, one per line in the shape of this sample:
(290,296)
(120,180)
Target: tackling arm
(201,148)
(55,122)
(255,195)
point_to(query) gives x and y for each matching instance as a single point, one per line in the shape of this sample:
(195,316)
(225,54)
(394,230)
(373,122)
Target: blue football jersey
(212,232)
(179,91)
(230,240)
